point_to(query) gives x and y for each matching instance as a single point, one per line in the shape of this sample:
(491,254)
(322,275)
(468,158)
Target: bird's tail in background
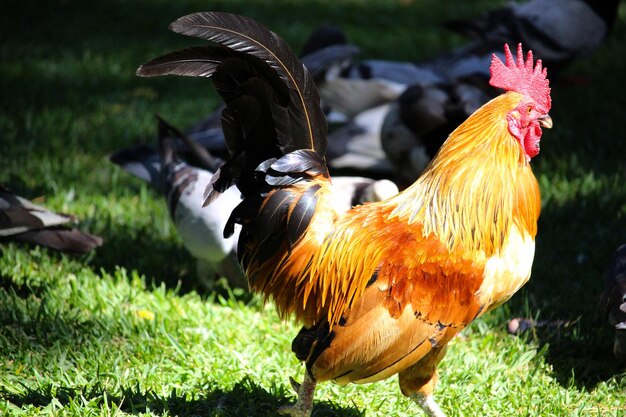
(274,127)
(168,134)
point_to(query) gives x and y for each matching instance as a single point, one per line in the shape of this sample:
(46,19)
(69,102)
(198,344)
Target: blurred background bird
(420,120)
(381,288)
(614,301)
(389,118)
(24,221)
(182,184)
(400,112)
(558,31)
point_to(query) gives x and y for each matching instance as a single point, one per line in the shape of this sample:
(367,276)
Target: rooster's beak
(546,121)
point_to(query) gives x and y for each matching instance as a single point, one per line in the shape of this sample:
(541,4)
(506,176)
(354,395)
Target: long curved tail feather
(273,123)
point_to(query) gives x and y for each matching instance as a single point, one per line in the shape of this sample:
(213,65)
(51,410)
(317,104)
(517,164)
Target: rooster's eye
(529,109)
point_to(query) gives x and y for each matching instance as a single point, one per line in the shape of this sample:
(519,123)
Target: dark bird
(420,120)
(22,220)
(357,147)
(614,301)
(398,139)
(381,288)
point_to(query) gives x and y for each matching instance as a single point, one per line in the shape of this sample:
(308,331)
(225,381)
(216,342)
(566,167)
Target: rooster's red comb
(521,77)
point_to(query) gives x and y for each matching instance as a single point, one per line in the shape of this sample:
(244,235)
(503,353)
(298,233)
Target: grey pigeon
(557,31)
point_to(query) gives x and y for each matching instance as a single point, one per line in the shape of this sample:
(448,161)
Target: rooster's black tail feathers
(272,103)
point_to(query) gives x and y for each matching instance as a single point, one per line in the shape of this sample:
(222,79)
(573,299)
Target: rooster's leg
(302,407)
(418,382)
(428,404)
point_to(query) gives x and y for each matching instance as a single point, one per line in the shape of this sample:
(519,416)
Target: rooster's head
(531,83)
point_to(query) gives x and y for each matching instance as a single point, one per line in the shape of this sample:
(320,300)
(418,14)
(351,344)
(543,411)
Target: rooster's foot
(295,385)
(294,411)
(302,407)
(428,404)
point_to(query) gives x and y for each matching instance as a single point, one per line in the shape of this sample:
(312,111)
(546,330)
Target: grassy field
(126,331)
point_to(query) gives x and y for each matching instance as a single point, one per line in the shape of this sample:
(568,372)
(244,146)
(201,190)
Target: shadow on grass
(583,362)
(246,398)
(22,289)
(158,259)
(162,262)
(574,245)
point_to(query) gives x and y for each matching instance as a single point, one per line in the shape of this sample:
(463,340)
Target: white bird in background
(183,186)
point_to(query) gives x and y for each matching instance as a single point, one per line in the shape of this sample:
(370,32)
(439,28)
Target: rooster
(381,288)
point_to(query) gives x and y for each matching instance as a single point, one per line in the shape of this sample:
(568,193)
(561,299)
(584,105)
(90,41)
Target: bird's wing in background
(350,97)
(20,215)
(22,220)
(142,161)
(357,146)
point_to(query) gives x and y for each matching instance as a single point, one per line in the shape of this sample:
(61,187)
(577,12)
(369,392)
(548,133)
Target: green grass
(126,330)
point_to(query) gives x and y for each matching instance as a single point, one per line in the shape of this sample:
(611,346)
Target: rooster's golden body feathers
(388,281)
